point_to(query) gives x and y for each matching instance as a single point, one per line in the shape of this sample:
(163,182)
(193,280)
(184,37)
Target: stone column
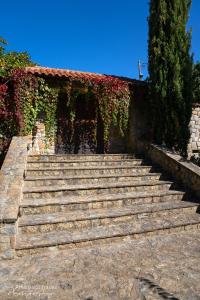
(41,143)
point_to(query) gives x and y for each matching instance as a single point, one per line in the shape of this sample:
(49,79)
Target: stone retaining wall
(140,128)
(180,169)
(194,143)
(11,183)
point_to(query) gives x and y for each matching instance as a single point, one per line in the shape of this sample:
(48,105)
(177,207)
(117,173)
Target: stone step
(66,157)
(98,217)
(63,239)
(95,189)
(68,204)
(54,180)
(90,171)
(83,163)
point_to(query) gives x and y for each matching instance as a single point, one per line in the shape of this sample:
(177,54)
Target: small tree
(170,72)
(12,60)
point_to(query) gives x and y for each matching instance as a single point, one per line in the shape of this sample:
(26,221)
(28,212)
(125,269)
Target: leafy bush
(12,60)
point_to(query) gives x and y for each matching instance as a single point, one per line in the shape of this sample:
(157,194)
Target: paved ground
(151,269)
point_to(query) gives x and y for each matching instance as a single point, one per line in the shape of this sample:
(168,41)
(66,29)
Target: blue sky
(107,36)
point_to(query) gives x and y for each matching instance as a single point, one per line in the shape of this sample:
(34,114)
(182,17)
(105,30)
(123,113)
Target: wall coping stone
(181,169)
(11,179)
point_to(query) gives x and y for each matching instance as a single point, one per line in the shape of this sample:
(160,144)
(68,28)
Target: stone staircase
(80,200)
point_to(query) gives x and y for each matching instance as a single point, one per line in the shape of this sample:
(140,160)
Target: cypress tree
(170,72)
(196,83)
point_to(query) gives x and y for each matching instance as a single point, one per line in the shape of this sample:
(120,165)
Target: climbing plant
(10,116)
(26,98)
(112,98)
(33,99)
(5,120)
(23,100)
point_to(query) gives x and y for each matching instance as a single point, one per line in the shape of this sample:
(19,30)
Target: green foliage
(37,101)
(170,71)
(46,100)
(196,83)
(12,60)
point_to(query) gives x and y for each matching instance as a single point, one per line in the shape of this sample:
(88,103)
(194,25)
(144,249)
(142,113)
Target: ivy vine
(112,97)
(35,98)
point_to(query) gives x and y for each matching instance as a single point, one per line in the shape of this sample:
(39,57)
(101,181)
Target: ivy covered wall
(26,98)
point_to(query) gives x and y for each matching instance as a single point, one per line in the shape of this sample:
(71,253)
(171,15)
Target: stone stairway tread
(82,161)
(27,241)
(80,215)
(80,155)
(31,178)
(85,160)
(56,164)
(89,168)
(94,186)
(96,198)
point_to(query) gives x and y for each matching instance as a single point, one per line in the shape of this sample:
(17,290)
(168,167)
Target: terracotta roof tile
(75,74)
(61,72)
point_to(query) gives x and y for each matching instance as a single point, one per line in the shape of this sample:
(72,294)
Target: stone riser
(96,191)
(89,172)
(98,204)
(60,182)
(67,157)
(67,164)
(91,223)
(107,240)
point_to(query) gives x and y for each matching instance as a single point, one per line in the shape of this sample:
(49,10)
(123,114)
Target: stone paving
(160,267)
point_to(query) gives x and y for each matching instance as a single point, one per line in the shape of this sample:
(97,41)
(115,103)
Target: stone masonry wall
(139,127)
(194,143)
(11,183)
(41,144)
(180,169)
